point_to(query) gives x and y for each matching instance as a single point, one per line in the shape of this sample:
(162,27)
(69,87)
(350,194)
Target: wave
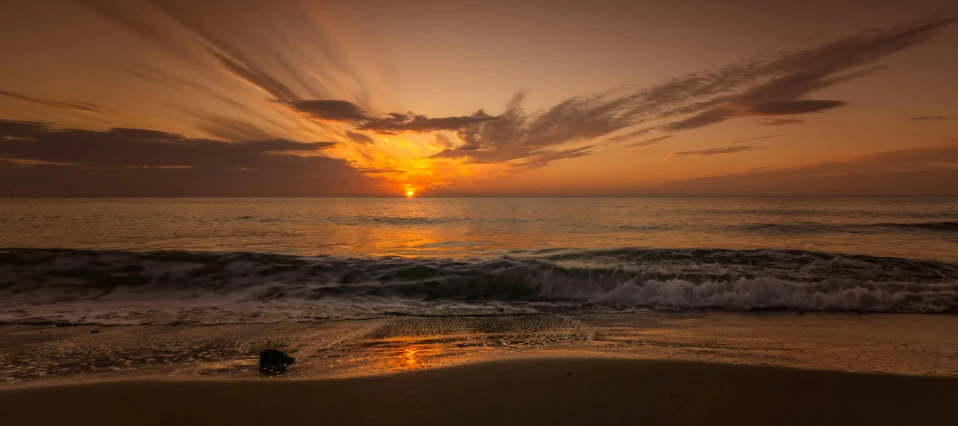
(115,287)
(936,226)
(816,227)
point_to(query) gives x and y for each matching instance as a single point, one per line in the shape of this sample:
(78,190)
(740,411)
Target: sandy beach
(564,391)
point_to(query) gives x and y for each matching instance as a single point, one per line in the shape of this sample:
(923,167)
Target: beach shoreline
(534,390)
(905,344)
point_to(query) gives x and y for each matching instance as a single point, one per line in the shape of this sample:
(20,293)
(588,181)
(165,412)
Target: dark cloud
(929,170)
(931,118)
(330,110)
(395,123)
(21,129)
(141,148)
(360,138)
(73,107)
(713,151)
(652,141)
(718,115)
(40,158)
(780,121)
(794,107)
(348,112)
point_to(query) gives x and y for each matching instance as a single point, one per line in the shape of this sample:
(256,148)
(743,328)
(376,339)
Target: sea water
(219,260)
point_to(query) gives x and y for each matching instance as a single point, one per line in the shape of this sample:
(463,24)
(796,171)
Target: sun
(410,193)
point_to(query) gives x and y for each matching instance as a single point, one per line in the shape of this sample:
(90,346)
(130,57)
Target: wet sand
(550,391)
(872,343)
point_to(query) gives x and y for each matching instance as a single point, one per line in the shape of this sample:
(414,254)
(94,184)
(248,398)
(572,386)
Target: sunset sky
(500,97)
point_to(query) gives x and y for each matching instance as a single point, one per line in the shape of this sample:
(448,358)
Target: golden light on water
(411,357)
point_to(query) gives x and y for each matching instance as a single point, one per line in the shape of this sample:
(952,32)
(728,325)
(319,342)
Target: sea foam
(113,287)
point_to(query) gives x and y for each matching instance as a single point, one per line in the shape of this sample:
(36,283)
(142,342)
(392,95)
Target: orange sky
(603,97)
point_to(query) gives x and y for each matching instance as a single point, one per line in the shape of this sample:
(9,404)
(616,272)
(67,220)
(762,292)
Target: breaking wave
(165,287)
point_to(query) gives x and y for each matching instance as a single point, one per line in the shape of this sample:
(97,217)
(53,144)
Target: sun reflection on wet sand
(412,360)
(409,353)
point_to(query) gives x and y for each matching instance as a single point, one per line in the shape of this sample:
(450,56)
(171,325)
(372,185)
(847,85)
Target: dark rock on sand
(94,331)
(273,362)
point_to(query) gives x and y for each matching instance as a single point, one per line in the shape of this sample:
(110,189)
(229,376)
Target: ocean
(135,261)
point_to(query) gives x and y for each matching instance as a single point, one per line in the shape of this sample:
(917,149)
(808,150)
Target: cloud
(771,85)
(793,107)
(348,112)
(39,158)
(718,115)
(360,138)
(931,118)
(919,171)
(628,136)
(713,151)
(755,139)
(289,55)
(780,121)
(173,81)
(292,58)
(72,107)
(652,141)
(231,129)
(256,77)
(141,148)
(395,123)
(542,158)
(784,81)
(21,129)
(330,110)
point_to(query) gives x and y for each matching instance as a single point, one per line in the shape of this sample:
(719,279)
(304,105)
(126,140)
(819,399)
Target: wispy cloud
(931,118)
(208,33)
(73,107)
(652,141)
(771,86)
(544,157)
(931,170)
(780,121)
(630,135)
(760,138)
(713,151)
